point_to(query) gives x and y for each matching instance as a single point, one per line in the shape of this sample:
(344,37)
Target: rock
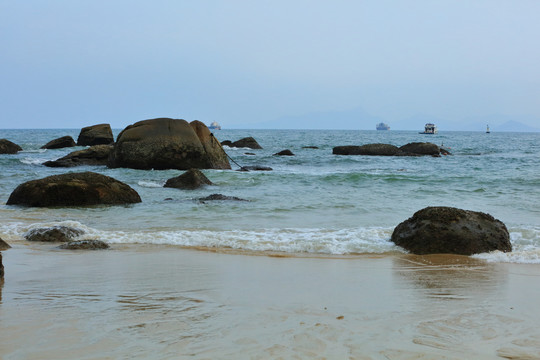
(447,230)
(221,197)
(73,189)
(226,143)
(167,144)
(53,234)
(249,153)
(8,147)
(255,168)
(62,142)
(100,134)
(4,245)
(310,147)
(85,245)
(191,179)
(213,149)
(94,155)
(247,142)
(368,149)
(1,271)
(286,152)
(419,149)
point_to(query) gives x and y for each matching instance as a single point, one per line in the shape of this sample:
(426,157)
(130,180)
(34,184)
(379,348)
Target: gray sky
(75,63)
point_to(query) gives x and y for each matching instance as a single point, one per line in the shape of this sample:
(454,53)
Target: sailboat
(487,130)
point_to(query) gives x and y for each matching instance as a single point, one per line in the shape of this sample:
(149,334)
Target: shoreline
(165,302)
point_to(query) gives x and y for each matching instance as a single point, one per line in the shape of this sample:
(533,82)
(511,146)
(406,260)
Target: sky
(270,64)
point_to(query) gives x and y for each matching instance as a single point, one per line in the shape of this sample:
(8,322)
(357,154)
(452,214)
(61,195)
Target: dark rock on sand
(191,179)
(100,134)
(419,149)
(73,189)
(94,155)
(8,147)
(221,197)
(62,142)
(53,234)
(255,168)
(368,149)
(1,271)
(286,152)
(4,245)
(247,142)
(447,230)
(167,144)
(85,245)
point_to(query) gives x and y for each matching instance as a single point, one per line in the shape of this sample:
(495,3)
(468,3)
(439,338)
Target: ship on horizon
(382,126)
(214,126)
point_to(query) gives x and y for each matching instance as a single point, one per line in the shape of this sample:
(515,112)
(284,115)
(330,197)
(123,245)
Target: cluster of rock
(65,235)
(247,142)
(411,149)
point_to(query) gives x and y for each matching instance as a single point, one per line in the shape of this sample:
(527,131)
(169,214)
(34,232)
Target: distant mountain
(515,126)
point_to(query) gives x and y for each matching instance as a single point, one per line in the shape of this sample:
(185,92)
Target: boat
(429,128)
(214,126)
(487,130)
(382,126)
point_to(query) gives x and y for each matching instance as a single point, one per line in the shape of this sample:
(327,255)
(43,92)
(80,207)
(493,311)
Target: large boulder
(167,144)
(53,234)
(61,142)
(447,230)
(100,134)
(214,151)
(4,245)
(419,149)
(94,155)
(368,149)
(73,189)
(191,179)
(8,147)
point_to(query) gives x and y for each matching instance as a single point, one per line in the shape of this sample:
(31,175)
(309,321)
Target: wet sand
(164,302)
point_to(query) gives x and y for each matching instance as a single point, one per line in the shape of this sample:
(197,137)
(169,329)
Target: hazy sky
(75,63)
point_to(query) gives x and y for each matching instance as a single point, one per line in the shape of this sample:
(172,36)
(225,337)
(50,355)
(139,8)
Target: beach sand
(165,302)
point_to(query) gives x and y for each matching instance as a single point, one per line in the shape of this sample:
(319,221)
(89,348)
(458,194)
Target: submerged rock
(61,142)
(100,134)
(94,155)
(221,197)
(191,179)
(4,245)
(286,152)
(73,189)
(167,144)
(53,234)
(447,230)
(255,168)
(85,245)
(8,147)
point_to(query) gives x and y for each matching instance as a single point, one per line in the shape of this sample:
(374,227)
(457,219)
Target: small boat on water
(382,126)
(487,130)
(430,128)
(214,126)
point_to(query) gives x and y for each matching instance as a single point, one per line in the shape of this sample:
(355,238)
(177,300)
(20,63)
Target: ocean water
(311,203)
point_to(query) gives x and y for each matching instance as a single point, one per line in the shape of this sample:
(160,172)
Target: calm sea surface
(313,202)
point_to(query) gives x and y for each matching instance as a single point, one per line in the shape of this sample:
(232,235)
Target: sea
(311,204)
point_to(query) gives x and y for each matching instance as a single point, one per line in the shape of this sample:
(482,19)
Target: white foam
(149,184)
(32,161)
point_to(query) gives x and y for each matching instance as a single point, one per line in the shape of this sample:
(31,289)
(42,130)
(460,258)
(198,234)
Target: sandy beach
(165,302)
